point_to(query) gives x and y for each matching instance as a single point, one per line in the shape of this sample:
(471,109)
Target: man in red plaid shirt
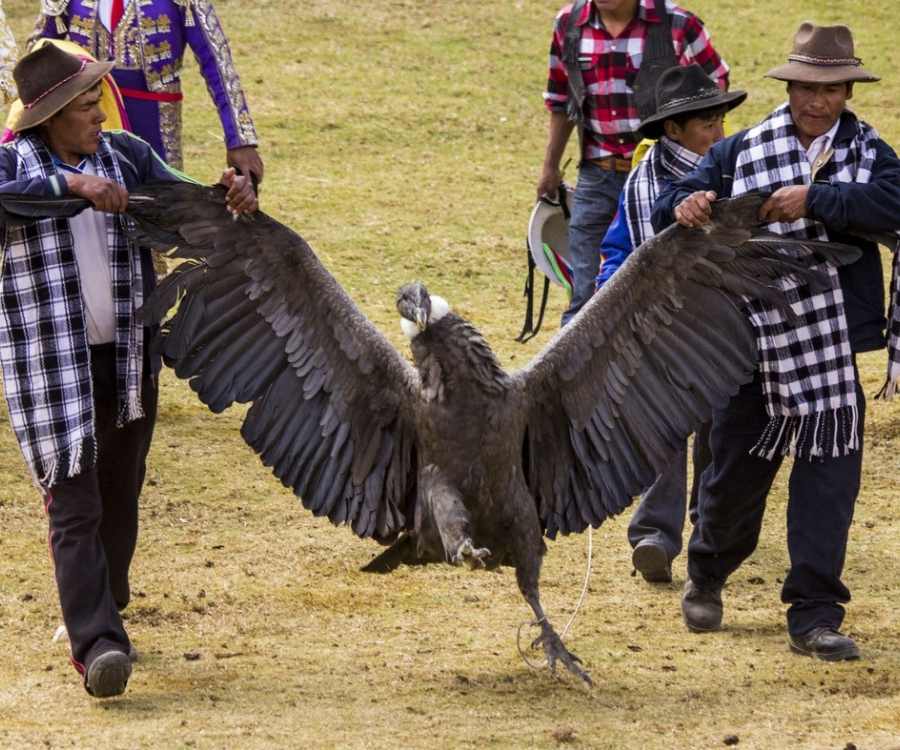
(609,54)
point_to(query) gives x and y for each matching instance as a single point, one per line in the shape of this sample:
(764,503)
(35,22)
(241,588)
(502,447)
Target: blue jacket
(844,208)
(616,245)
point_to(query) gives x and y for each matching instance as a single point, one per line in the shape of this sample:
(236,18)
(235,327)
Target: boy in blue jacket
(688,120)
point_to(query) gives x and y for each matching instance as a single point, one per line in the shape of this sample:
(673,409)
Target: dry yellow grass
(402,138)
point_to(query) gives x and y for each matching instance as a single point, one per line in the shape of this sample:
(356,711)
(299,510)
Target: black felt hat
(684,89)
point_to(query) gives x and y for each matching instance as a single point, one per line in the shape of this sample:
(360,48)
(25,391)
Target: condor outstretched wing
(18,208)
(262,321)
(648,359)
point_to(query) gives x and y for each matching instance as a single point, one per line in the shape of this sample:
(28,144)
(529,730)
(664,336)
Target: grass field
(403,140)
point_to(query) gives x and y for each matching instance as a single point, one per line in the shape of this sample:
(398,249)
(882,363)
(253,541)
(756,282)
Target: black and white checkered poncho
(806,367)
(667,160)
(43,337)
(892,380)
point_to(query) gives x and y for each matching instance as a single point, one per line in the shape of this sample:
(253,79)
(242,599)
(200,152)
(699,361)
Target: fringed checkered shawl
(806,366)
(667,160)
(43,337)
(892,381)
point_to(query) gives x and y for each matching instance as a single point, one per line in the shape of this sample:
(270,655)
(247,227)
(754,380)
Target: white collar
(821,144)
(104,12)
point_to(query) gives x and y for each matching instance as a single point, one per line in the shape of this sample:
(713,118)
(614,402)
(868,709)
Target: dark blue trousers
(659,517)
(732,500)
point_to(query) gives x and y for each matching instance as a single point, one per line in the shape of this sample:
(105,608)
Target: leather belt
(612,163)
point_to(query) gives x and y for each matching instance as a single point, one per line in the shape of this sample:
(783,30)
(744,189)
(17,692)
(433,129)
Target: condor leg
(528,570)
(443,512)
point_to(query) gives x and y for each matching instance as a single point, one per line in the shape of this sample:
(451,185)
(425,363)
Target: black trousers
(94,520)
(732,500)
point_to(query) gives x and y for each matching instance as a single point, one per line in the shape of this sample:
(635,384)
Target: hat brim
(53,102)
(548,226)
(652,127)
(807,73)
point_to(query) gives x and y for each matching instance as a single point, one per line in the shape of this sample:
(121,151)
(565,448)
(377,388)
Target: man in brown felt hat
(78,377)
(830,177)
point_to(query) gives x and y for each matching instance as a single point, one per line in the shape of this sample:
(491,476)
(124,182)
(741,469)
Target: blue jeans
(593,208)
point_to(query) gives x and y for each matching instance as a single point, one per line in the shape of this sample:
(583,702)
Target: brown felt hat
(48,79)
(822,54)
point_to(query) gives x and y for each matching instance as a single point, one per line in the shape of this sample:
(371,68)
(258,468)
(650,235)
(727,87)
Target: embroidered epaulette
(188,15)
(54,9)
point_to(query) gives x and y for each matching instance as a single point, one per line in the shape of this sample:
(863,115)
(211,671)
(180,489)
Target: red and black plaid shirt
(609,66)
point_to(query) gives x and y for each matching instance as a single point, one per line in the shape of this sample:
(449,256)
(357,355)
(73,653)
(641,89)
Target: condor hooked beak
(421,318)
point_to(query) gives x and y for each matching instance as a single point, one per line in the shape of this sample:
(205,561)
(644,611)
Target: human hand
(246,160)
(106,195)
(241,197)
(785,204)
(696,209)
(549,182)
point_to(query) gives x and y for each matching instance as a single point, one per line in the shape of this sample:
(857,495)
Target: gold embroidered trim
(170,130)
(188,15)
(53,7)
(8,57)
(231,82)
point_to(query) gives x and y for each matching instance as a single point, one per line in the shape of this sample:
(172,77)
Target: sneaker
(825,643)
(652,562)
(702,608)
(108,674)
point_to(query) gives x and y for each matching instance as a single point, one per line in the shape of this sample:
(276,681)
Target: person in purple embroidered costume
(147,39)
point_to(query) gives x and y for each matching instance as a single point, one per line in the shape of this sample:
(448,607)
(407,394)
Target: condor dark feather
(455,459)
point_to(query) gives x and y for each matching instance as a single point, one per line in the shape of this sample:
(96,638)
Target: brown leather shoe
(702,608)
(825,643)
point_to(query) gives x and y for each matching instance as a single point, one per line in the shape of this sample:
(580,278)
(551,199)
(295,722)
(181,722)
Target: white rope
(584,588)
(536,666)
(587,577)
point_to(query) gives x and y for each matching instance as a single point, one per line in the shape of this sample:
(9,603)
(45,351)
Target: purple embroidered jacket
(148,45)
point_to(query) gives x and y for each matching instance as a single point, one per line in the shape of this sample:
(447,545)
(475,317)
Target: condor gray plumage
(455,459)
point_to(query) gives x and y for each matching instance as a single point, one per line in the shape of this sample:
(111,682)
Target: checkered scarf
(667,160)
(892,381)
(806,366)
(43,338)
